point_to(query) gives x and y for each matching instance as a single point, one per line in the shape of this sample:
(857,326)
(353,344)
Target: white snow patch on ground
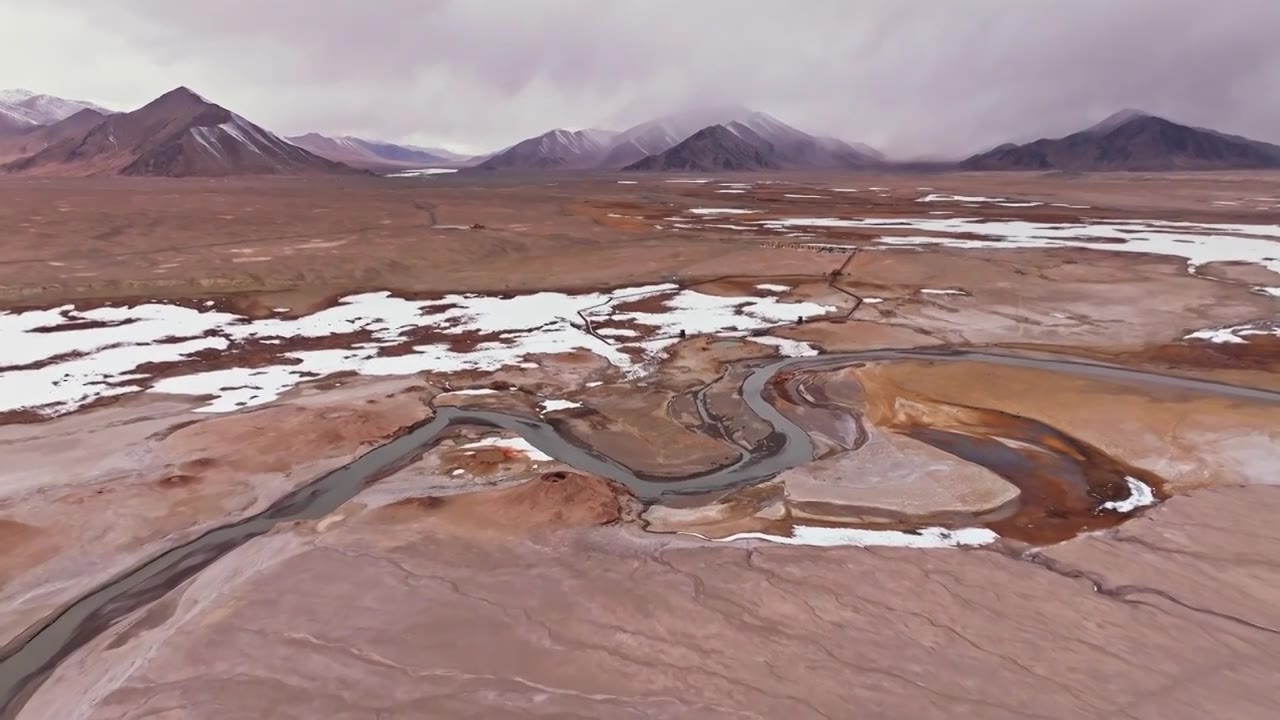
(932,537)
(818,246)
(699,313)
(1197,243)
(1236,334)
(422,172)
(64,386)
(936,291)
(550,406)
(1003,202)
(844,190)
(689,181)
(786,346)
(517,444)
(803,196)
(236,388)
(720,211)
(946,197)
(78,365)
(626,182)
(138,325)
(773,288)
(1140,495)
(872,300)
(475,391)
(731,191)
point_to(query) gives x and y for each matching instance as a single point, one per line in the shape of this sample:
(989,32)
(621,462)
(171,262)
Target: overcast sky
(911,77)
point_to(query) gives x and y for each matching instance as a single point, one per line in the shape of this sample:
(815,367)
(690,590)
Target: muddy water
(1080,486)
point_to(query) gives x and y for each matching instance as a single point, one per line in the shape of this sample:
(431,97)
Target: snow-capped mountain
(782,145)
(731,147)
(176,135)
(655,136)
(24,108)
(557,149)
(755,141)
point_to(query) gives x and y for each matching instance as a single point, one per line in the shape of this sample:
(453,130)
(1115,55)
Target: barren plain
(637,446)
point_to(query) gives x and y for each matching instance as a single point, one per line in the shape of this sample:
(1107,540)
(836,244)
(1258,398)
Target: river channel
(27,660)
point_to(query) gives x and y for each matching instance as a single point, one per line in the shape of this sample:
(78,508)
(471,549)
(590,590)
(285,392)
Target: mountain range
(178,134)
(22,110)
(183,134)
(376,155)
(1132,140)
(759,142)
(719,138)
(554,150)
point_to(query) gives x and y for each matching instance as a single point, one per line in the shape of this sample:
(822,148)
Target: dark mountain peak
(85,115)
(38,137)
(1116,119)
(178,107)
(1148,123)
(180,100)
(731,134)
(178,134)
(756,141)
(1133,140)
(788,147)
(734,128)
(80,122)
(554,149)
(716,147)
(182,91)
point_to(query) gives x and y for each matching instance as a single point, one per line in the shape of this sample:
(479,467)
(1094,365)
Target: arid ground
(635,446)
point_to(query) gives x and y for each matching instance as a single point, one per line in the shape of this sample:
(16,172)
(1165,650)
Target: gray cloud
(914,77)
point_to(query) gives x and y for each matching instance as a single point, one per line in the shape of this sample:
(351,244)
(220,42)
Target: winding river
(27,660)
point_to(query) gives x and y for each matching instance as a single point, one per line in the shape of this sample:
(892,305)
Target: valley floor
(579,445)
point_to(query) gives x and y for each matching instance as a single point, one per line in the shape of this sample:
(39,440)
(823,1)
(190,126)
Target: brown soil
(311,238)
(495,593)
(558,499)
(412,619)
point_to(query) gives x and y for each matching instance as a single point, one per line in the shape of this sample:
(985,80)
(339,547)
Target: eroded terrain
(581,447)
